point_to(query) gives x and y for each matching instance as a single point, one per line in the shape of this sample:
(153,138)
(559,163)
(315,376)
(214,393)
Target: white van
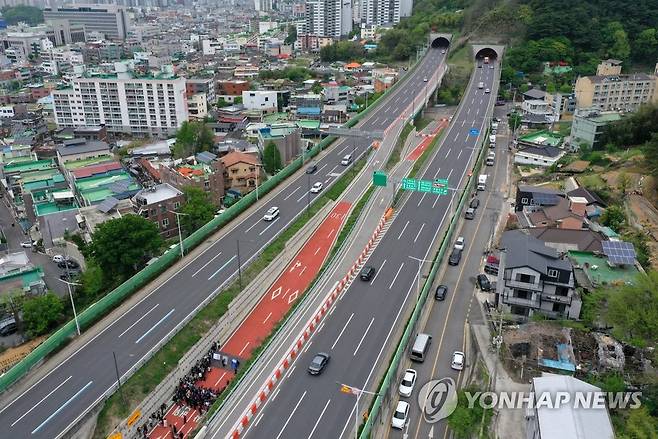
(482,182)
(480,84)
(492,139)
(420,347)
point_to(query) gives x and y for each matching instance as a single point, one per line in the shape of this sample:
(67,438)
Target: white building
(329,18)
(264,100)
(153,104)
(384,12)
(110,20)
(197,106)
(211,47)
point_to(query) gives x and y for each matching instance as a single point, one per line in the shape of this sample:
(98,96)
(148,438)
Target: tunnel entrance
(440,43)
(488,52)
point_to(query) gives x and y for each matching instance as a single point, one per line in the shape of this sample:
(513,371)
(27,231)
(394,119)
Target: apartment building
(260,100)
(152,104)
(588,124)
(201,85)
(110,20)
(609,90)
(384,12)
(328,18)
(534,278)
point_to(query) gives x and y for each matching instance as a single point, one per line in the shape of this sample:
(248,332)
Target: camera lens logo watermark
(438,399)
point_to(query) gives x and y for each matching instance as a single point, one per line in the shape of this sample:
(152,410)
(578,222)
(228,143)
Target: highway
(359,329)
(59,399)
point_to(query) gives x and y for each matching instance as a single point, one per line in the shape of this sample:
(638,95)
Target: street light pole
(308,196)
(75,314)
(180,233)
(239,265)
(420,263)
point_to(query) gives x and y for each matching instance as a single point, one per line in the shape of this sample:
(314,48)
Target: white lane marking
(291,415)
(421,199)
(449,174)
(460,154)
(448,153)
(317,251)
(220,379)
(215,257)
(293,192)
(319,328)
(341,332)
(250,227)
(222,267)
(321,168)
(403,229)
(267,318)
(436,200)
(468,110)
(320,417)
(437,173)
(268,227)
(302,270)
(363,337)
(456,136)
(304,196)
(62,407)
(276,393)
(138,320)
(258,419)
(378,271)
(344,149)
(419,232)
(155,326)
(463,123)
(332,170)
(42,400)
(245,347)
(331,233)
(308,345)
(396,276)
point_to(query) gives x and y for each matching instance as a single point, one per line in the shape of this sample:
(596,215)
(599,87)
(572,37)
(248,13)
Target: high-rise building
(147,104)
(384,12)
(109,20)
(329,18)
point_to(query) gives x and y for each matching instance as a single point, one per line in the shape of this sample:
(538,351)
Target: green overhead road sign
(437,187)
(379,178)
(409,184)
(440,186)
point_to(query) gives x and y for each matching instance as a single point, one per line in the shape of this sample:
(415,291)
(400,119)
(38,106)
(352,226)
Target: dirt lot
(645,216)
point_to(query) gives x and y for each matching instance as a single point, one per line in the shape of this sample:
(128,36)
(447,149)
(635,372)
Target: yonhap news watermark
(438,399)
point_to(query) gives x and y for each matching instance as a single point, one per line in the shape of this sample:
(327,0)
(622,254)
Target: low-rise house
(588,125)
(286,137)
(527,195)
(242,171)
(596,269)
(334,114)
(539,149)
(594,205)
(534,278)
(205,172)
(566,214)
(567,420)
(157,204)
(17,273)
(81,149)
(564,240)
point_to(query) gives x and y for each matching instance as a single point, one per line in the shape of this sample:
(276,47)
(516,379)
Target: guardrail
(389,377)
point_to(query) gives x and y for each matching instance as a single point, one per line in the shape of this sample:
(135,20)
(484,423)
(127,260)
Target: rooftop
(599,272)
(158,193)
(81,146)
(25,166)
(235,157)
(529,251)
(543,137)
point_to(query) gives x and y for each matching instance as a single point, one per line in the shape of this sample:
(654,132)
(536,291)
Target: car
(487,91)
(311,169)
(443,51)
(470,213)
(346,160)
(441,292)
(318,363)
(455,257)
(400,415)
(491,66)
(8,327)
(367,273)
(316,188)
(58,258)
(458,360)
(459,243)
(407,383)
(271,213)
(69,263)
(27,244)
(474,204)
(424,79)
(483,282)
(479,66)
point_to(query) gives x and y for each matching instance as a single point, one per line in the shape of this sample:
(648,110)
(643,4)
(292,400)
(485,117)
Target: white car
(458,360)
(271,213)
(400,415)
(487,91)
(27,244)
(316,188)
(424,79)
(346,160)
(443,51)
(459,244)
(408,382)
(58,258)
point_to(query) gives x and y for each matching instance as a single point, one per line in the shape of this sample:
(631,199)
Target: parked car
(8,327)
(367,273)
(316,188)
(483,282)
(58,258)
(459,243)
(443,51)
(470,213)
(441,292)
(400,415)
(69,263)
(312,168)
(318,363)
(27,244)
(474,204)
(271,213)
(455,257)
(458,360)
(407,383)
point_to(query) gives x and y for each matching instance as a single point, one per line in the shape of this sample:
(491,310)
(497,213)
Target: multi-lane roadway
(60,398)
(358,331)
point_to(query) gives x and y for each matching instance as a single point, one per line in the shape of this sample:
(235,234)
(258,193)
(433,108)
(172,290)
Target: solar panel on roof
(619,252)
(545,199)
(120,186)
(108,204)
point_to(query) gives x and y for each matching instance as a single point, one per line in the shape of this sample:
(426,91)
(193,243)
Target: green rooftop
(308,124)
(75,164)
(599,272)
(275,117)
(32,165)
(52,207)
(605,118)
(96,189)
(28,277)
(542,137)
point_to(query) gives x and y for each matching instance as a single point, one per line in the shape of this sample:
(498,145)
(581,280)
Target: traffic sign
(424,186)
(440,186)
(379,178)
(409,184)
(437,187)
(474,132)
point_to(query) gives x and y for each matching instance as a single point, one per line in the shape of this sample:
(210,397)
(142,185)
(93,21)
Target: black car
(311,169)
(8,329)
(475,202)
(455,257)
(441,292)
(367,273)
(69,263)
(483,282)
(318,363)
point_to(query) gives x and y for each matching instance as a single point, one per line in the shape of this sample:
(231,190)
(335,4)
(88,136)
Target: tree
(292,35)
(22,13)
(640,425)
(317,88)
(92,282)
(633,310)
(645,46)
(465,421)
(41,313)
(619,47)
(272,158)
(514,121)
(222,103)
(623,182)
(613,217)
(193,137)
(197,210)
(121,246)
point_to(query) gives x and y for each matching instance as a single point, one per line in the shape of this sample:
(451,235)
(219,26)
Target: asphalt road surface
(359,328)
(60,399)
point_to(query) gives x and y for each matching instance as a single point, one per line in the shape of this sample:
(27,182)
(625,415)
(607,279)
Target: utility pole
(239,265)
(116,368)
(180,233)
